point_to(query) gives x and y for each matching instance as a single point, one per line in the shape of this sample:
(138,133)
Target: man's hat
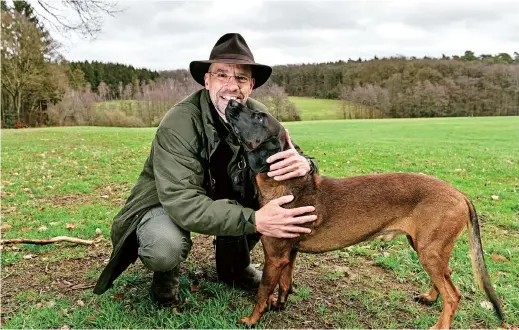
(231,48)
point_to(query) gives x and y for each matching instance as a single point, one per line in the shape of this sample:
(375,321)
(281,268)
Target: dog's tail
(478,262)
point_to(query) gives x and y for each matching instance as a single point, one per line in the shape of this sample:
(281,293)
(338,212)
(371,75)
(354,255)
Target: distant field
(324,109)
(72,181)
(317,109)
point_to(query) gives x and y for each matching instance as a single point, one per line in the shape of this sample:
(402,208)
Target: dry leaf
(50,303)
(29,256)
(487,305)
(98,231)
(80,303)
(4,227)
(495,197)
(42,228)
(71,225)
(497,257)
(39,305)
(118,296)
(54,223)
(24,229)
(104,196)
(194,287)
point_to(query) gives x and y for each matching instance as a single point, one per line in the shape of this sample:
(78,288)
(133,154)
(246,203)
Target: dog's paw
(272,303)
(247,321)
(276,305)
(424,298)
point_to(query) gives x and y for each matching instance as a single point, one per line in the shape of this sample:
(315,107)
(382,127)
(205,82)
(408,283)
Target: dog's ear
(283,142)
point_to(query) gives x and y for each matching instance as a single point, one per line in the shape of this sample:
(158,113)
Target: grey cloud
(442,14)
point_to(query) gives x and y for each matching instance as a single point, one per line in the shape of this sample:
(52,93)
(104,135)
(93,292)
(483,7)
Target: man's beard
(219,104)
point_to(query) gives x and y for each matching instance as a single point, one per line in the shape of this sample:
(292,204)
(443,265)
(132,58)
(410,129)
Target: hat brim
(260,72)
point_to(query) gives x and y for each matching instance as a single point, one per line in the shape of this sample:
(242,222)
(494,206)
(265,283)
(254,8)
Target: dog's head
(260,134)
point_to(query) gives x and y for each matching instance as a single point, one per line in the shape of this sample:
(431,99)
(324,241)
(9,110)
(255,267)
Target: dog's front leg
(269,281)
(285,282)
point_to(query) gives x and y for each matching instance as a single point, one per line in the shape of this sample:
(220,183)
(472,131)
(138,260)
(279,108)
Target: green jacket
(178,174)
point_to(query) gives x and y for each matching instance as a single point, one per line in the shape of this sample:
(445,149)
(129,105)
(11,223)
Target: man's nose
(232,84)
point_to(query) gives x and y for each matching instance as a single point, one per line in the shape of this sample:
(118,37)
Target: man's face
(228,81)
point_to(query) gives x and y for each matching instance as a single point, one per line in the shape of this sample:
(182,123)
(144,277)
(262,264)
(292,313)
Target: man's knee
(162,245)
(164,253)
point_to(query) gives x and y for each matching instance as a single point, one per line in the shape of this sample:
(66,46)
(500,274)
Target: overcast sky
(168,35)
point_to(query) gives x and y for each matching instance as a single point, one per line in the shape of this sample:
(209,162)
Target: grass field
(324,109)
(72,181)
(317,109)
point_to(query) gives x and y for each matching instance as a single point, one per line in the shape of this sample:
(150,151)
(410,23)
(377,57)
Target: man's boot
(164,287)
(233,262)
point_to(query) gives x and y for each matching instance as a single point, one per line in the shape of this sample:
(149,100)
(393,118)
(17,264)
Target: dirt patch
(63,201)
(326,277)
(45,273)
(116,192)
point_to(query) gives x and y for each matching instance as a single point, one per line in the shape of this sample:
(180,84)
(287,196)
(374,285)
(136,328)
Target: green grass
(82,175)
(321,109)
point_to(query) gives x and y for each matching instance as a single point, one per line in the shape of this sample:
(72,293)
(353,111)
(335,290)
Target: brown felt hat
(231,48)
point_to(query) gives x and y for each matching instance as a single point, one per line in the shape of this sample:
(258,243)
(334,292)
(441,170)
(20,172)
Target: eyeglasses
(225,78)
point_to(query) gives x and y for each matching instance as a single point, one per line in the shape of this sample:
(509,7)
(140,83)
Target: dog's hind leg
(270,279)
(435,261)
(431,296)
(285,282)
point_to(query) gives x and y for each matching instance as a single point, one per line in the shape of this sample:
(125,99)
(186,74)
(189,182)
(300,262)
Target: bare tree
(84,17)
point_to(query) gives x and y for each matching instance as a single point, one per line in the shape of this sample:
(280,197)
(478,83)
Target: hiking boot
(233,262)
(248,278)
(164,287)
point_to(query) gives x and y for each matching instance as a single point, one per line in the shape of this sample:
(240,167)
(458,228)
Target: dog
(432,214)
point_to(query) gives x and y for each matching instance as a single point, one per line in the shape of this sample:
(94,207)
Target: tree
(77,79)
(86,19)
(469,56)
(25,54)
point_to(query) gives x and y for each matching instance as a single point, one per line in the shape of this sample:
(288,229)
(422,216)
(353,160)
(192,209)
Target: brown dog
(429,211)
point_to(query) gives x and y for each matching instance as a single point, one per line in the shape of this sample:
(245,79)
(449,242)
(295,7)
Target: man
(196,180)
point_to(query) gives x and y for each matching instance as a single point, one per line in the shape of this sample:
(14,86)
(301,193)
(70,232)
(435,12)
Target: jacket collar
(206,107)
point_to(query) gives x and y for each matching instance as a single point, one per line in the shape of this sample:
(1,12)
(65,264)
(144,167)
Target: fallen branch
(80,287)
(46,241)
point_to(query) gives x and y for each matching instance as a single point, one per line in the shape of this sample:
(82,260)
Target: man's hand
(276,221)
(291,166)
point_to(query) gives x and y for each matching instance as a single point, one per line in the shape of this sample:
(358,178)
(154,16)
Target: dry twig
(46,241)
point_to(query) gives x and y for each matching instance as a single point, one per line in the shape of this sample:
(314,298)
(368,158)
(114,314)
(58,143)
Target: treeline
(114,75)
(466,85)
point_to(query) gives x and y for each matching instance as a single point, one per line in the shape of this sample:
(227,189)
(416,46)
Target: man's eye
(221,75)
(242,79)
